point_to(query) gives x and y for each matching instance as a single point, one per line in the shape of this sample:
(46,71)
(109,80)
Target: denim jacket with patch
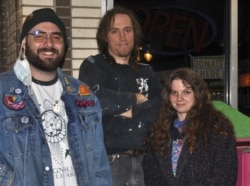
(24,153)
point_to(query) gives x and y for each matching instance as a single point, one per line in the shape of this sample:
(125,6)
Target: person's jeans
(126,170)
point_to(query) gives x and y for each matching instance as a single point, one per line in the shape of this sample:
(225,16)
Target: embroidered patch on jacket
(84,90)
(85,103)
(13,101)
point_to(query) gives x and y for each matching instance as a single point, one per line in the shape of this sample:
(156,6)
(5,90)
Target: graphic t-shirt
(176,150)
(55,121)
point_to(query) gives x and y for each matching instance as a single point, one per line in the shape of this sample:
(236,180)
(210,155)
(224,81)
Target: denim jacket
(24,154)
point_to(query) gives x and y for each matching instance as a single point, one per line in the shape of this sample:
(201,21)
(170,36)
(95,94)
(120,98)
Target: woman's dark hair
(201,120)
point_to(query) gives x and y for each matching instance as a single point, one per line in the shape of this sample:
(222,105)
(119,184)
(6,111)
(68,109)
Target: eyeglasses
(41,37)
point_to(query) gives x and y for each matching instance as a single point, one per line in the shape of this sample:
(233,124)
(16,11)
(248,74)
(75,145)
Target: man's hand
(127,114)
(140,98)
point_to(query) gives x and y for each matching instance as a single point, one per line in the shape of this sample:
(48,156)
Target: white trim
(107,5)
(233,58)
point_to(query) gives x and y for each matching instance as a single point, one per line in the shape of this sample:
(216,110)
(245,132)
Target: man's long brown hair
(104,28)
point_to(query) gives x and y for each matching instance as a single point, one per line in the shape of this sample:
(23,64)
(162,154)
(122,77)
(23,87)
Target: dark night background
(214,10)
(214,14)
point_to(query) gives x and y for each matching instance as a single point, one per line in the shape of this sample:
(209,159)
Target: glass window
(196,34)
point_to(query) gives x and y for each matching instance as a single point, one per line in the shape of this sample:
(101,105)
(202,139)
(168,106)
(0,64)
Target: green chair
(240,121)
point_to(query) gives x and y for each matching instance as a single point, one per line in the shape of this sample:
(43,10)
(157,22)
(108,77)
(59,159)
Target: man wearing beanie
(50,123)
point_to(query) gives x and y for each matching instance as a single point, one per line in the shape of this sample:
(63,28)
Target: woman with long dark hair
(191,143)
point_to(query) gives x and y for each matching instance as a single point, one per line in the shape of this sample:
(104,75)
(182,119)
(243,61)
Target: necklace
(56,105)
(49,89)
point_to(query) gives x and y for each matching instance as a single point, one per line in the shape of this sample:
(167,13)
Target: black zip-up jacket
(115,85)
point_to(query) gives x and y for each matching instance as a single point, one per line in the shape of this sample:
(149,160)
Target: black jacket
(214,166)
(115,85)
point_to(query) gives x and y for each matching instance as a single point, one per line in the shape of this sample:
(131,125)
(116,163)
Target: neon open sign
(173,30)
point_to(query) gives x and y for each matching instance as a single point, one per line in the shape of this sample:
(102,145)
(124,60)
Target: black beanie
(43,15)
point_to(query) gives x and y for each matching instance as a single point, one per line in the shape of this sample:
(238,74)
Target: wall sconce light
(245,83)
(245,80)
(147,55)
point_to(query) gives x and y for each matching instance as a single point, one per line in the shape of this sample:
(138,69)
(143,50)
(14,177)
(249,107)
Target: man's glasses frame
(41,37)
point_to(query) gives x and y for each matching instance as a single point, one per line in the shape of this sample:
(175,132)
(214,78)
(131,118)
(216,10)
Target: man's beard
(47,65)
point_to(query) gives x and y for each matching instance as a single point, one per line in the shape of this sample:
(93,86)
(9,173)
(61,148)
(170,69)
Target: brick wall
(8,34)
(81,18)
